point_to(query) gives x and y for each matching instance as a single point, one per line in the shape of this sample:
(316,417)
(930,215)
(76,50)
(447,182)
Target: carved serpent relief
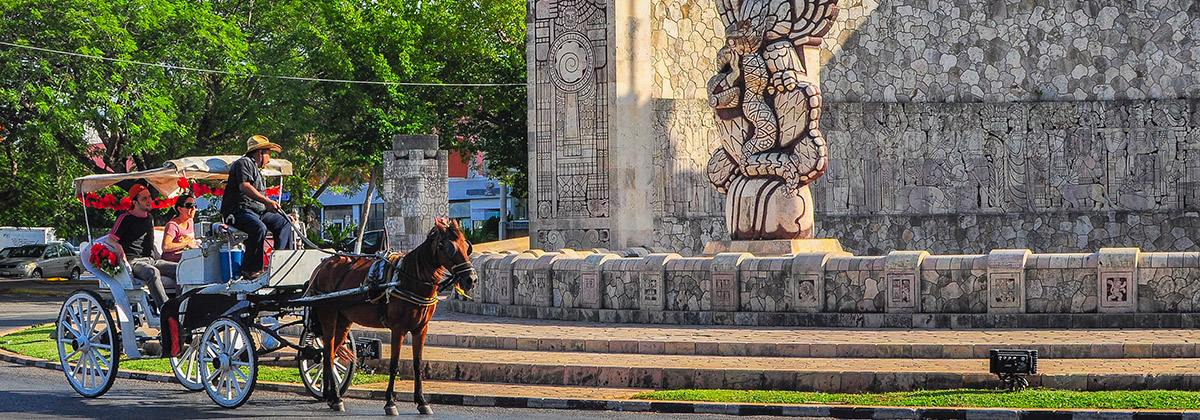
(767,100)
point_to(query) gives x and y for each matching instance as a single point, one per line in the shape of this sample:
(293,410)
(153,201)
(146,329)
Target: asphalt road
(23,310)
(28,393)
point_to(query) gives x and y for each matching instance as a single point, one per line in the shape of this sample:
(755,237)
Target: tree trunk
(366,208)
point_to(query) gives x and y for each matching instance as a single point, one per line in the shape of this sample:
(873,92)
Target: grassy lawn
(36,342)
(1030,398)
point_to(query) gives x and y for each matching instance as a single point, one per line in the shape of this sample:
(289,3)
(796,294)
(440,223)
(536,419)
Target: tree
(141,115)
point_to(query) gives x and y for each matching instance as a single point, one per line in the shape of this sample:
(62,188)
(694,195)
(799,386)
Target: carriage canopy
(166,178)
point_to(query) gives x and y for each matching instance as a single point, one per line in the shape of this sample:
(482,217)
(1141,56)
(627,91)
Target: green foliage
(489,232)
(63,116)
(1030,398)
(335,234)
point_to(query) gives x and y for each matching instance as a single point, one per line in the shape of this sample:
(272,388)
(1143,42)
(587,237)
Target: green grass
(36,342)
(1030,398)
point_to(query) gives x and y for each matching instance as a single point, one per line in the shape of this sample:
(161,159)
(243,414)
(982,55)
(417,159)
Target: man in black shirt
(252,211)
(132,239)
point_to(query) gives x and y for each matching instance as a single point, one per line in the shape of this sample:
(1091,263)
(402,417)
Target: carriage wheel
(312,371)
(87,344)
(228,364)
(187,368)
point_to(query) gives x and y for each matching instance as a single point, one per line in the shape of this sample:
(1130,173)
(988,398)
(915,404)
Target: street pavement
(35,301)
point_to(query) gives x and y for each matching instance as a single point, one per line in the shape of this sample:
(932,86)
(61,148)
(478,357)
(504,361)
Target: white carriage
(220,326)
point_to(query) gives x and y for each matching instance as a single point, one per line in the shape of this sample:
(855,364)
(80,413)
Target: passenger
(180,231)
(132,239)
(252,211)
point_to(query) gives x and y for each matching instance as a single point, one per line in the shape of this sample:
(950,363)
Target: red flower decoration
(104,259)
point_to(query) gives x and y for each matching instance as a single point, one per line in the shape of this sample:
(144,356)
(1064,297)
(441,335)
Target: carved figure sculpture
(767,100)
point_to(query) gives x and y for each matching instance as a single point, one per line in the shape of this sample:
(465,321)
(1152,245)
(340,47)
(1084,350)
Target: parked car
(43,260)
(373,241)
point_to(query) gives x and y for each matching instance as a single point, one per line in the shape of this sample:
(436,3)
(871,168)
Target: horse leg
(397,340)
(418,346)
(329,334)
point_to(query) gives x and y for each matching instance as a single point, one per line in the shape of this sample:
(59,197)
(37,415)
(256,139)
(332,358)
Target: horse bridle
(458,271)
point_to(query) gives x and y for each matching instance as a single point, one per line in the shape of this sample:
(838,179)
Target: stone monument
(767,97)
(415,188)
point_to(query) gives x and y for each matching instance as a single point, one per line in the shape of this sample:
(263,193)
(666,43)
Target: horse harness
(385,270)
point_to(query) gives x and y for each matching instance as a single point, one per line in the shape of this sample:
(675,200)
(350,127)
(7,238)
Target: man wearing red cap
(132,239)
(252,211)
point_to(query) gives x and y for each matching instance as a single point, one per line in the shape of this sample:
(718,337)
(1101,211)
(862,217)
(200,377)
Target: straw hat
(257,142)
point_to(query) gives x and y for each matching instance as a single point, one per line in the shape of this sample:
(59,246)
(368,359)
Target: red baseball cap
(135,190)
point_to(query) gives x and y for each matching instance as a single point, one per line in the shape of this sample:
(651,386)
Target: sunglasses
(188,205)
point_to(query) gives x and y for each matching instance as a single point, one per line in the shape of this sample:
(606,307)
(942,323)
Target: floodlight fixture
(1012,364)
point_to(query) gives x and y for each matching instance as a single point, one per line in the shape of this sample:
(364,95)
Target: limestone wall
(1112,280)
(966,126)
(953,126)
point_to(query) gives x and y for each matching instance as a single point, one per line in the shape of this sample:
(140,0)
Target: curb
(680,407)
(21,290)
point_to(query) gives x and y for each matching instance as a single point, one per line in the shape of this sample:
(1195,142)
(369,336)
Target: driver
(132,239)
(252,211)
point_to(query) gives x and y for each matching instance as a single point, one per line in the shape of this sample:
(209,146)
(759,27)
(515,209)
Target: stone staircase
(472,348)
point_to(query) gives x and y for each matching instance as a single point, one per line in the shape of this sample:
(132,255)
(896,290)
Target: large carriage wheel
(88,348)
(312,371)
(186,367)
(228,364)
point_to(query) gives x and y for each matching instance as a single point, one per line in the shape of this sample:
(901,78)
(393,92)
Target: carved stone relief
(569,111)
(414,188)
(767,100)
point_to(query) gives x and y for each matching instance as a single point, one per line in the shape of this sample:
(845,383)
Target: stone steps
(472,331)
(471,348)
(613,370)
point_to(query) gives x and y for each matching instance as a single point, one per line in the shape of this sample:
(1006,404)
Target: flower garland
(112,202)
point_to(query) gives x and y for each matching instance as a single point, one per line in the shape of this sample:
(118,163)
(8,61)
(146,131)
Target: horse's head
(453,252)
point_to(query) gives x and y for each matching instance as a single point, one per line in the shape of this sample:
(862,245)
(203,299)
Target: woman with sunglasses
(180,231)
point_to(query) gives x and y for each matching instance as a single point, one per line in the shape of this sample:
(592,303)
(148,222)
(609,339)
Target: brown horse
(403,309)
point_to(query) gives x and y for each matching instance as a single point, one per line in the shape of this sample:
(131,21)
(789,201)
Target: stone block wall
(954,284)
(998,284)
(954,126)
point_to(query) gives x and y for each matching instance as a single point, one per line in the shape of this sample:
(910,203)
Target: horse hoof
(338,406)
(391,410)
(424,409)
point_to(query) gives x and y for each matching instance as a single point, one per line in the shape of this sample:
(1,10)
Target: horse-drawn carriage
(215,328)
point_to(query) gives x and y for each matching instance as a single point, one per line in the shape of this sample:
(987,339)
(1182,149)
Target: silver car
(44,261)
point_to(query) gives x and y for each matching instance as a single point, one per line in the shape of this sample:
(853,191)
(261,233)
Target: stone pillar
(807,285)
(1117,279)
(415,189)
(589,279)
(903,274)
(651,278)
(725,293)
(1006,280)
(590,123)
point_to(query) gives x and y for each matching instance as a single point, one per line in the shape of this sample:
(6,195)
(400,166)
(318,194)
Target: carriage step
(786,373)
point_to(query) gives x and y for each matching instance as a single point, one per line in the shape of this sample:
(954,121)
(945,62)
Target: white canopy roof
(166,178)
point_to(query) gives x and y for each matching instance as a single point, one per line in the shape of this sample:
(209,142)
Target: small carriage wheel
(88,348)
(312,370)
(228,364)
(186,367)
